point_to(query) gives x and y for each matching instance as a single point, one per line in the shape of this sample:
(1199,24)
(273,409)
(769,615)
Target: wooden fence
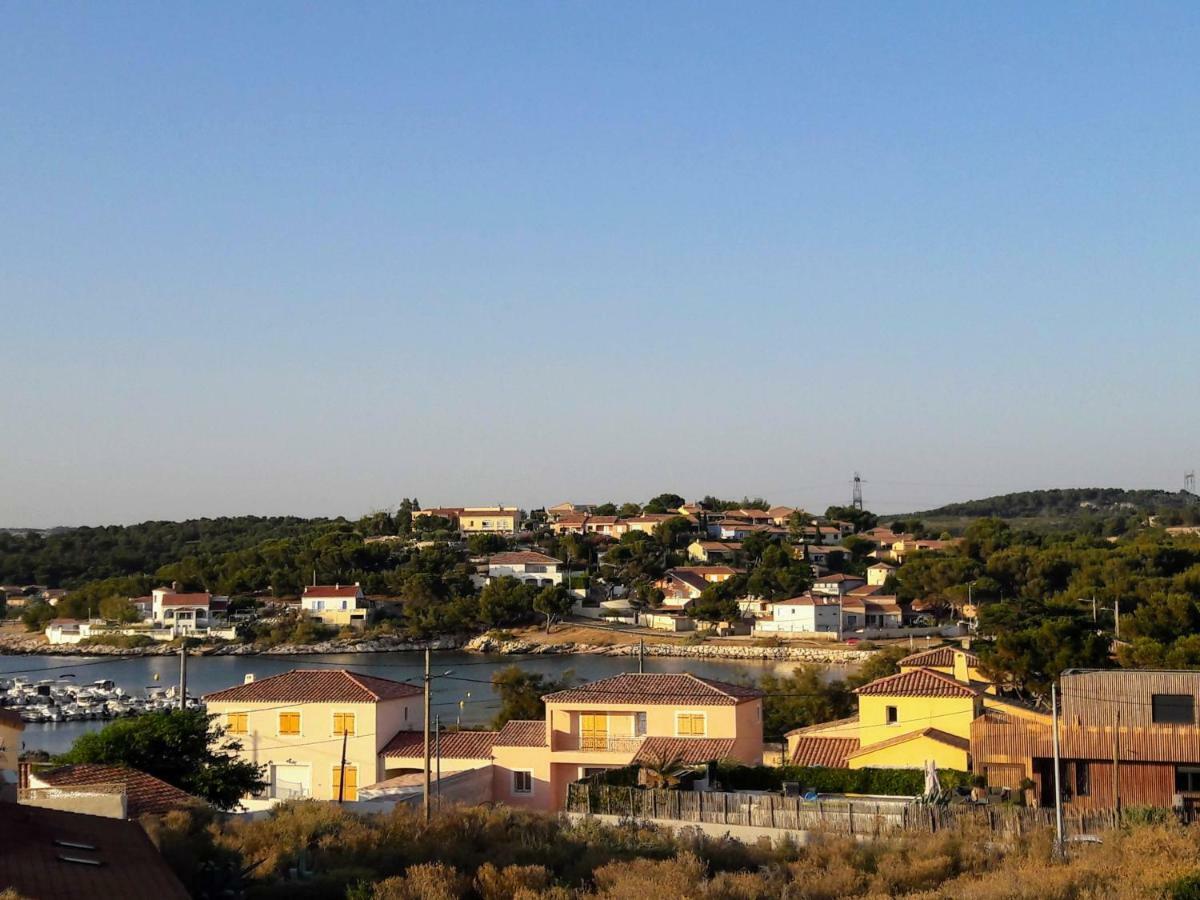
(858,816)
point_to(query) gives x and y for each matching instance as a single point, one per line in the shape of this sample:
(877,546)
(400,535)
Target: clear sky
(284,258)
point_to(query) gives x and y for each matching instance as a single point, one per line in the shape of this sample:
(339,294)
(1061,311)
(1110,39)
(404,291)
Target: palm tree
(663,770)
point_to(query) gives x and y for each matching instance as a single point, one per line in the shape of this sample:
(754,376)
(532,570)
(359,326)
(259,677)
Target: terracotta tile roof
(936,734)
(693,580)
(836,579)
(830,752)
(331,590)
(32,862)
(657,690)
(938,657)
(522,557)
(143,792)
(691,751)
(316,686)
(453,744)
(185,599)
(917,683)
(706,570)
(522,733)
(603,520)
(822,726)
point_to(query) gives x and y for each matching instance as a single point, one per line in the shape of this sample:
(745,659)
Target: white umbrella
(933,787)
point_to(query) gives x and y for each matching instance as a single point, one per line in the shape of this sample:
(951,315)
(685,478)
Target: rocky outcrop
(488,644)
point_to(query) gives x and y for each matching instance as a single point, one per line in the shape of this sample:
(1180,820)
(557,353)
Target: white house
(181,612)
(335,604)
(528,566)
(806,613)
(836,585)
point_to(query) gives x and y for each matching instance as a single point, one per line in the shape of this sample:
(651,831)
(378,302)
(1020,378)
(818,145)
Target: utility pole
(641,656)
(1117,615)
(342,765)
(1117,764)
(1058,813)
(183,675)
(1094,619)
(425,724)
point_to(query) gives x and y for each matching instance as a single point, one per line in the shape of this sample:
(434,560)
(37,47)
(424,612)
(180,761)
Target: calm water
(468,681)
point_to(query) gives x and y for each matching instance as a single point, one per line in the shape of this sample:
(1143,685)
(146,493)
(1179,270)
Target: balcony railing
(605,743)
(284,790)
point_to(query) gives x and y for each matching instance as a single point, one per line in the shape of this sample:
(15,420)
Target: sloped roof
(934,734)
(522,557)
(657,690)
(197,599)
(691,751)
(830,752)
(123,861)
(917,683)
(452,745)
(522,733)
(823,726)
(331,590)
(938,657)
(316,686)
(143,792)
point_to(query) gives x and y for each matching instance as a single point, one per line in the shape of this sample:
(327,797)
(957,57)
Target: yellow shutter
(347,777)
(235,723)
(691,724)
(289,723)
(343,723)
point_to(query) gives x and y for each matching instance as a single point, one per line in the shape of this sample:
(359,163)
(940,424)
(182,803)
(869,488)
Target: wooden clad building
(1126,738)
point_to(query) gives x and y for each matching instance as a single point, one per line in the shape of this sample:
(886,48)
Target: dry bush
(427,881)
(504,884)
(681,878)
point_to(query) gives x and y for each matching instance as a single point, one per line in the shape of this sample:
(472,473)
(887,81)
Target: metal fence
(846,816)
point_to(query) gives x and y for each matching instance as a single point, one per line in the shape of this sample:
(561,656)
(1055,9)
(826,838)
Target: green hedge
(888,782)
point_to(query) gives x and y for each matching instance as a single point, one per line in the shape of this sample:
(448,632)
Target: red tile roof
(938,657)
(830,752)
(822,726)
(316,686)
(837,578)
(143,792)
(522,733)
(331,590)
(32,863)
(186,599)
(691,751)
(657,690)
(917,683)
(522,557)
(452,745)
(936,734)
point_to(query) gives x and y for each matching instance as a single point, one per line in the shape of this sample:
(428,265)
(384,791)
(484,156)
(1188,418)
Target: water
(468,681)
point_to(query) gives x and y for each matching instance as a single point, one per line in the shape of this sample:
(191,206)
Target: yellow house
(923,712)
(606,724)
(302,724)
(491,519)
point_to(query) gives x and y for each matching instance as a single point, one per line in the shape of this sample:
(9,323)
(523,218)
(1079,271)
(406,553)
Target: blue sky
(284,258)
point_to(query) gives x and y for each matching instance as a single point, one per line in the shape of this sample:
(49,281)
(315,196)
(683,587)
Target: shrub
(888,782)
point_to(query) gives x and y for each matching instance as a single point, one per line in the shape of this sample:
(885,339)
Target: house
(528,566)
(727,530)
(878,573)
(570,523)
(666,620)
(684,584)
(909,545)
(489,520)
(297,723)
(65,631)
(714,551)
(609,526)
(929,710)
(55,855)
(12,727)
(79,786)
(648,522)
(806,614)
(450,513)
(836,585)
(181,612)
(821,557)
(335,604)
(1127,737)
(559,511)
(876,611)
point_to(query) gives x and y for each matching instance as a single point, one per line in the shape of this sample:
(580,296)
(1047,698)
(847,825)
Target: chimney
(249,679)
(175,587)
(337,585)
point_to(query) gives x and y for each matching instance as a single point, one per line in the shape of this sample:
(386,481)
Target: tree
(605,509)
(713,606)
(484,543)
(521,693)
(664,503)
(629,510)
(404,516)
(505,601)
(185,748)
(36,615)
(553,602)
(118,609)
(803,697)
(863,520)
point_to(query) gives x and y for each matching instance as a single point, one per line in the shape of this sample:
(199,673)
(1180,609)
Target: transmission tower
(1189,482)
(856,498)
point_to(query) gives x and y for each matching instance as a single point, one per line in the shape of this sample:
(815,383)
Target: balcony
(604,743)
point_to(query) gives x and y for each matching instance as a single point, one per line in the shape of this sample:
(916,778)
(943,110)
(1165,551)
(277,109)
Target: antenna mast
(856,499)
(1189,481)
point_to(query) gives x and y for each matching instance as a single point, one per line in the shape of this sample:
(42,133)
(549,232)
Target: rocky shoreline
(481,644)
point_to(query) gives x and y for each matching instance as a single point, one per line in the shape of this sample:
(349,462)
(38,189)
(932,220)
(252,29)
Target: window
(1173,709)
(289,723)
(639,724)
(343,723)
(892,715)
(689,724)
(345,783)
(1187,779)
(235,723)
(522,782)
(1083,778)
